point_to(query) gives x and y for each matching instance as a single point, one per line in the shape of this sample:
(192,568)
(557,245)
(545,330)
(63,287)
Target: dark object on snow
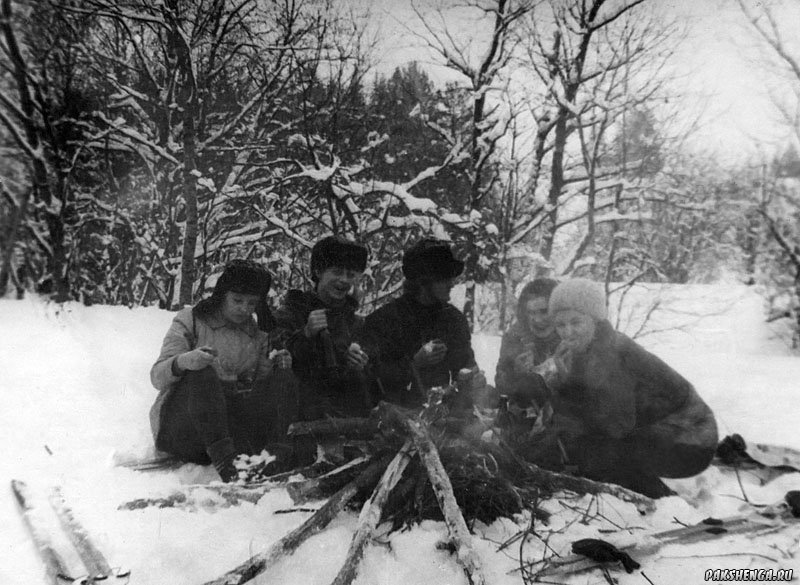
(712,521)
(603,552)
(716,530)
(732,449)
(793,499)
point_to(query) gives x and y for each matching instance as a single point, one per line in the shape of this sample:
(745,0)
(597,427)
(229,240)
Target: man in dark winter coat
(620,414)
(526,344)
(420,338)
(320,328)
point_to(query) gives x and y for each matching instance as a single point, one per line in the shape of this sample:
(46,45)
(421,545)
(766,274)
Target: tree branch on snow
(371,514)
(261,562)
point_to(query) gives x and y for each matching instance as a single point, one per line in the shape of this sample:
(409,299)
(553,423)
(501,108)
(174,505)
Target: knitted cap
(245,277)
(431,258)
(338,252)
(579,294)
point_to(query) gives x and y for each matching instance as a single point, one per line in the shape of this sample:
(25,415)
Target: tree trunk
(188,100)
(31,145)
(550,224)
(7,246)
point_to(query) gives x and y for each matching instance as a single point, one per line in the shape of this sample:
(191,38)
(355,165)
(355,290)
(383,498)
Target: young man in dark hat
(216,380)
(420,338)
(321,329)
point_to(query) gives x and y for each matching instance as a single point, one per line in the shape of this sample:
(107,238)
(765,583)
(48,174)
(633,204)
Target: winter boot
(223,455)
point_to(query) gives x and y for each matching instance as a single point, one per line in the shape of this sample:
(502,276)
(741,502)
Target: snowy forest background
(146,142)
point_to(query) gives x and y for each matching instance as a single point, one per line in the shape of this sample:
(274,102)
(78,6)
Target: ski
(769,519)
(97,567)
(94,567)
(56,568)
(151,463)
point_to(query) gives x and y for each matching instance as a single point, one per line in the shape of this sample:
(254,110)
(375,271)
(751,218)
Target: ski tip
(20,489)
(121,572)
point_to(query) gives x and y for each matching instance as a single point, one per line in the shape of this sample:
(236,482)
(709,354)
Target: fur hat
(243,276)
(336,251)
(431,258)
(579,294)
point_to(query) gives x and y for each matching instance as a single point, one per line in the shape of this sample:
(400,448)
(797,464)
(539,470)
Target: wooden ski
(94,560)
(771,519)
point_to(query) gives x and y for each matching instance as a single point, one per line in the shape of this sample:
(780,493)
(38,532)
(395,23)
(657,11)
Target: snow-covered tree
(46,98)
(773,26)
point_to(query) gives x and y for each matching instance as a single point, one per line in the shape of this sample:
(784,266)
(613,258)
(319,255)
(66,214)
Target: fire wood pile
(404,466)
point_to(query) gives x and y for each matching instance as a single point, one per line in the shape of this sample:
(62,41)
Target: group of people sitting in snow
(589,400)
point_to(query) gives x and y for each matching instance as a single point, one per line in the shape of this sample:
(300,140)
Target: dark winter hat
(431,258)
(245,277)
(579,294)
(338,252)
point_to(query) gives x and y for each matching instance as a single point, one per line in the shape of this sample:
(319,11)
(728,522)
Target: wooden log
(443,489)
(209,496)
(346,427)
(259,563)
(223,495)
(323,486)
(554,481)
(371,514)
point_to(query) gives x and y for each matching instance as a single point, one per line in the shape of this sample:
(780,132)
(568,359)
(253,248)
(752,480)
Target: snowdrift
(76,395)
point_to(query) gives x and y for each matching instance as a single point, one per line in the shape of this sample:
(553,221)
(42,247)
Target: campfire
(403,466)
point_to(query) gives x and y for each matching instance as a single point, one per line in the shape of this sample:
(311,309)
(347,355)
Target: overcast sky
(716,59)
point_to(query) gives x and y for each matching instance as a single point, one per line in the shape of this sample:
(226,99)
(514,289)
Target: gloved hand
(196,359)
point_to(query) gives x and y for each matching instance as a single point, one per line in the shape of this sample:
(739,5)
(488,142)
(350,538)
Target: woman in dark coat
(620,414)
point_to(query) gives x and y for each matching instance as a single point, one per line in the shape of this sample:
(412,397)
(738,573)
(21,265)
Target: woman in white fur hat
(621,414)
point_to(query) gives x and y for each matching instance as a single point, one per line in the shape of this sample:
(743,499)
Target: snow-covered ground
(76,394)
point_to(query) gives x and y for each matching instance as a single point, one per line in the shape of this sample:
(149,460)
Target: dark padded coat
(623,414)
(334,390)
(396,331)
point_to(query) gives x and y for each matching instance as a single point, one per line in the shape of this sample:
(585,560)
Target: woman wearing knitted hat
(218,395)
(621,414)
